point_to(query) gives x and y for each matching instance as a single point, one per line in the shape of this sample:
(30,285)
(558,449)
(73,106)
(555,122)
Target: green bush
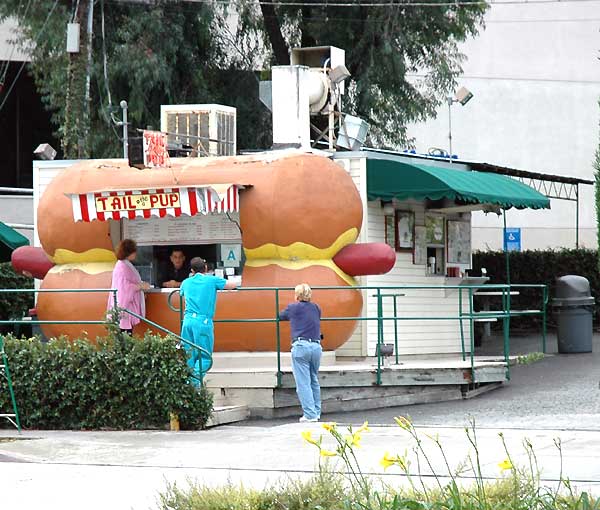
(539,266)
(120,383)
(14,305)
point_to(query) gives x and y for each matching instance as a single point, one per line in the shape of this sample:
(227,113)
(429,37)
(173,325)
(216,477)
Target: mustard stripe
(62,256)
(296,265)
(301,251)
(92,268)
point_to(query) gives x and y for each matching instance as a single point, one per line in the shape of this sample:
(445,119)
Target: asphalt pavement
(557,397)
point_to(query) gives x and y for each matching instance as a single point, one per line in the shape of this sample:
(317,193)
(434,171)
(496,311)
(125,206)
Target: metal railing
(380,293)
(383,292)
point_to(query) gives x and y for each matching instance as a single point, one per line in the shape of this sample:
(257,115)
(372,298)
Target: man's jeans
(306,360)
(200,331)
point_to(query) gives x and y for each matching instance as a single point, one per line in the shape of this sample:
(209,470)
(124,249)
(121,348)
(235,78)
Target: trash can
(573,307)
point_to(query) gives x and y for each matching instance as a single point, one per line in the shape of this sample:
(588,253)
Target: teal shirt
(200,292)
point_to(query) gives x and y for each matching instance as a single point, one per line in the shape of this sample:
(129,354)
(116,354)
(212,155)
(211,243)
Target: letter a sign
(231,255)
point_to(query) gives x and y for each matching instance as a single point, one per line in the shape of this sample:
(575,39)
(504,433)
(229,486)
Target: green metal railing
(381,293)
(385,292)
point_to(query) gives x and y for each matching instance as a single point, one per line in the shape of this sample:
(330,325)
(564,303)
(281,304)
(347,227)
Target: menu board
(459,242)
(198,229)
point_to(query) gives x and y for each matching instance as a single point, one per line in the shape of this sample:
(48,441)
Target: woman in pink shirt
(129,285)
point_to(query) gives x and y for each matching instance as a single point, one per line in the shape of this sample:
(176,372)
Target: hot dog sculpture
(300,215)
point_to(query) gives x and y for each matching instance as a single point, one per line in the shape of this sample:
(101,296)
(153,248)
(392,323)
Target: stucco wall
(534,73)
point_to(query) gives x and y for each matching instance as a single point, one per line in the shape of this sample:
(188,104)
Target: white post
(123,105)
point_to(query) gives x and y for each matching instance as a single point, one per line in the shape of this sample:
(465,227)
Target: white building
(535,76)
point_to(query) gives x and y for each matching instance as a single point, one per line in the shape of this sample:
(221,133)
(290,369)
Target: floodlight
(339,74)
(463,96)
(44,151)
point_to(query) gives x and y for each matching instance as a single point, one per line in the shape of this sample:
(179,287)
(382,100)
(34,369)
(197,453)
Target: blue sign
(512,239)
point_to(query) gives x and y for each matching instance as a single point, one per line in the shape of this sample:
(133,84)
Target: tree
(156,54)
(404,58)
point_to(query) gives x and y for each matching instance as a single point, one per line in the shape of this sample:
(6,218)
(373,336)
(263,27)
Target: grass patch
(529,359)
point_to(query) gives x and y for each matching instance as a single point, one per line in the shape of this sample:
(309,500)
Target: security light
(463,95)
(45,151)
(339,74)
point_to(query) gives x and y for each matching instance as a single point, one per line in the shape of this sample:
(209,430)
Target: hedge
(14,305)
(539,266)
(120,383)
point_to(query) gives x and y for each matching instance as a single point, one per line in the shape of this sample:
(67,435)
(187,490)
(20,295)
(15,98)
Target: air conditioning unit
(200,129)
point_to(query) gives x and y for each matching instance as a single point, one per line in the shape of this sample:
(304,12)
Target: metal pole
(396,328)
(450,101)
(277,328)
(472,334)
(379,335)
(88,78)
(544,318)
(506,254)
(577,216)
(123,105)
(462,331)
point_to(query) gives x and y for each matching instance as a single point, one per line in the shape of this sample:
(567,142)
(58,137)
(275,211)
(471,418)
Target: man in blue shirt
(200,293)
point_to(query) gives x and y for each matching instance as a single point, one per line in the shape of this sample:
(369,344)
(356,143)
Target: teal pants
(198,330)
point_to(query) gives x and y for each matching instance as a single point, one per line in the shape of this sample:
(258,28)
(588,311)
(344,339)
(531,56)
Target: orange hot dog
(299,213)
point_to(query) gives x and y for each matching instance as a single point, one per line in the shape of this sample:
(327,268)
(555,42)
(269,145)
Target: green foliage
(539,267)
(323,492)
(14,305)
(404,59)
(529,359)
(597,194)
(460,486)
(120,383)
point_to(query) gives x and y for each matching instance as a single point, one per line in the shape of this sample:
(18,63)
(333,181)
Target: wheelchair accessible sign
(512,239)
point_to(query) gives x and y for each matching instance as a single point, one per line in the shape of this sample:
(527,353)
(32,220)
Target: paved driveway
(558,392)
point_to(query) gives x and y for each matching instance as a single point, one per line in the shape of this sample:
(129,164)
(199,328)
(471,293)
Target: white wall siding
(356,346)
(419,336)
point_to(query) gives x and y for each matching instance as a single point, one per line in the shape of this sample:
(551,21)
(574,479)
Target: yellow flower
(329,426)
(307,436)
(505,465)
(354,439)
(403,422)
(364,428)
(327,453)
(388,460)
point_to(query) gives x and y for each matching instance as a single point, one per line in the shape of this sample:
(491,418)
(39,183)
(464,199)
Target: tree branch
(273,28)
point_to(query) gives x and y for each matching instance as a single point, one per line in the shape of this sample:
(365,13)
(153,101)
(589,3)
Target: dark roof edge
(487,167)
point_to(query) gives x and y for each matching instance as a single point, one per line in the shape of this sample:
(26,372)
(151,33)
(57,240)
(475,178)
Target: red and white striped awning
(146,203)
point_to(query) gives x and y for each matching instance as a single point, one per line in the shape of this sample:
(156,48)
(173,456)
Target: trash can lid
(573,302)
(572,286)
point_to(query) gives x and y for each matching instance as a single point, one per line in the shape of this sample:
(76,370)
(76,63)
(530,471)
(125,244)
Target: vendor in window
(175,271)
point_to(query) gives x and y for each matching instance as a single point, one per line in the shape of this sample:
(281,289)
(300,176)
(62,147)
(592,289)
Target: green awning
(11,238)
(388,179)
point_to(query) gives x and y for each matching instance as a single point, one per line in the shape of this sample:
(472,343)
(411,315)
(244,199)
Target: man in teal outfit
(200,293)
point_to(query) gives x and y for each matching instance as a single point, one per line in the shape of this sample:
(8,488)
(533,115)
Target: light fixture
(462,96)
(388,208)
(44,151)
(339,74)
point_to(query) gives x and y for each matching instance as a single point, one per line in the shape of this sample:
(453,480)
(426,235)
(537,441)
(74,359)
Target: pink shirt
(126,280)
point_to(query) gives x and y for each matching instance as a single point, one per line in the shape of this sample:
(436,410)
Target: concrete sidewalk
(126,470)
